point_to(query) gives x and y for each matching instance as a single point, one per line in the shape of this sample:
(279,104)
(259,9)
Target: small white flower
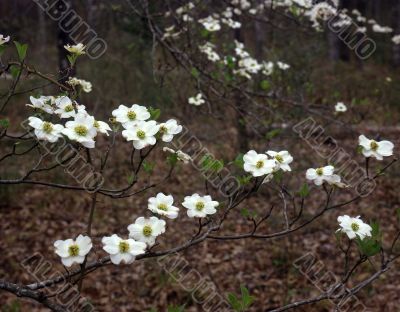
(268,68)
(4,40)
(210,24)
(381,29)
(250,65)
(199,206)
(81,129)
(122,250)
(336,181)
(44,103)
(372,148)
(73,251)
(163,205)
(208,49)
(396,39)
(282,65)
(85,85)
(197,100)
(258,164)
(101,127)
(142,133)
(46,130)
(354,227)
(146,230)
(320,175)
(340,107)
(130,116)
(65,109)
(169,129)
(77,49)
(282,159)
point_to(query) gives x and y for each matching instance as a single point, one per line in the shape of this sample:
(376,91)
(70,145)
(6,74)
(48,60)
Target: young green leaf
(21,49)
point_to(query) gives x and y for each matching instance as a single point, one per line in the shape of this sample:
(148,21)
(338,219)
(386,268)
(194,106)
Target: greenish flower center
(47,127)
(374,145)
(199,206)
(259,164)
(123,246)
(320,171)
(355,227)
(131,115)
(162,207)
(73,250)
(68,108)
(96,124)
(147,230)
(81,130)
(141,134)
(279,158)
(163,129)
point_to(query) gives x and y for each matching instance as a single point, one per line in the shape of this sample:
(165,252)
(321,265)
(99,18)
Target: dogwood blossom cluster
(209,50)
(82,127)
(197,100)
(85,85)
(264,164)
(143,232)
(142,131)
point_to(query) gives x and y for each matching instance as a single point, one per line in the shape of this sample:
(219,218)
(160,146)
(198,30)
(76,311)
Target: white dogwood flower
(77,49)
(258,164)
(46,130)
(73,251)
(320,175)
(81,129)
(210,23)
(282,159)
(130,115)
(44,103)
(340,107)
(3,39)
(372,148)
(142,133)
(85,85)
(354,227)
(282,66)
(163,205)
(396,39)
(197,100)
(146,230)
(102,127)
(65,109)
(122,250)
(199,206)
(168,129)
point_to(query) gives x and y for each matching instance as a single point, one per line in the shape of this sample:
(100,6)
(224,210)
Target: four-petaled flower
(129,116)
(81,129)
(258,164)
(3,39)
(77,49)
(377,149)
(168,129)
(354,227)
(197,100)
(163,205)
(321,175)
(340,107)
(73,251)
(142,133)
(46,130)
(122,250)
(146,230)
(65,108)
(282,160)
(199,206)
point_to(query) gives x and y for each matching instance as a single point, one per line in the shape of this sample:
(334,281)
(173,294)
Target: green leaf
(154,113)
(2,49)
(243,303)
(370,246)
(21,49)
(148,167)
(195,73)
(15,70)
(243,180)
(246,298)
(278,175)
(4,123)
(209,163)
(304,190)
(239,162)
(176,308)
(172,159)
(234,302)
(265,85)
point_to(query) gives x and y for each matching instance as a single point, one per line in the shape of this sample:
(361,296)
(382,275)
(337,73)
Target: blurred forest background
(323,71)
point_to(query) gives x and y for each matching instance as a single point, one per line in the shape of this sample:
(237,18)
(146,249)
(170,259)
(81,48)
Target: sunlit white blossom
(258,164)
(45,103)
(146,230)
(282,159)
(210,23)
(85,85)
(77,49)
(354,227)
(102,127)
(197,100)
(377,149)
(199,206)
(185,158)
(340,107)
(65,108)
(163,205)
(122,250)
(168,129)
(45,130)
(142,133)
(73,251)
(81,130)
(320,175)
(130,115)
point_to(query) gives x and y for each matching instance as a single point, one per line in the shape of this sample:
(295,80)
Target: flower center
(374,145)
(279,158)
(96,124)
(141,134)
(320,171)
(123,246)
(162,207)
(199,206)
(47,127)
(355,227)
(147,230)
(259,164)
(131,115)
(81,130)
(68,108)
(163,129)
(73,250)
